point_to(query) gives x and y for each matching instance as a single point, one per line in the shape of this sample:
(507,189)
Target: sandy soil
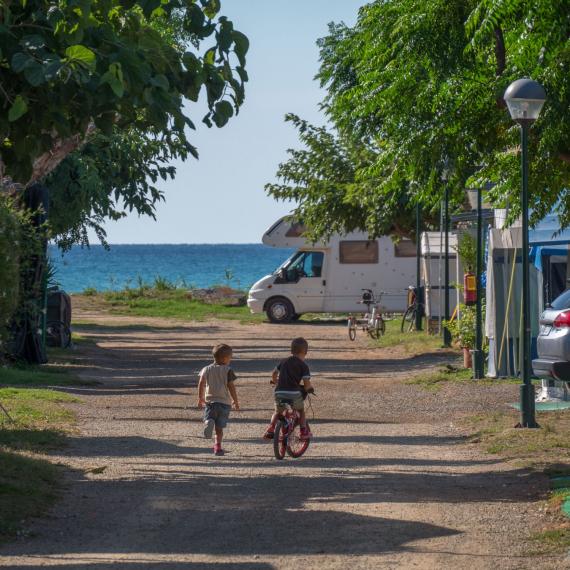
(388,482)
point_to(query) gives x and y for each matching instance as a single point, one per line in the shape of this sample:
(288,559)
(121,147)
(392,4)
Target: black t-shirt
(292,371)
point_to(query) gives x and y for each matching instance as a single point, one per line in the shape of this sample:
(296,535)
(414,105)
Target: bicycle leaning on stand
(372,322)
(409,318)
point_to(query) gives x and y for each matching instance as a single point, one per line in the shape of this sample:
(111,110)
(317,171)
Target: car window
(562,302)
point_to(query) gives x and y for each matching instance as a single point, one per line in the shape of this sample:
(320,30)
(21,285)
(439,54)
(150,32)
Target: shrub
(90,291)
(10,246)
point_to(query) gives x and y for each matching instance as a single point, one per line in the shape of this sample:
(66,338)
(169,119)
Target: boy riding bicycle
(292,378)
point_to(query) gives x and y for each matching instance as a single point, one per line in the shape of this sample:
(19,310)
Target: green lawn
(36,376)
(38,423)
(175,304)
(413,342)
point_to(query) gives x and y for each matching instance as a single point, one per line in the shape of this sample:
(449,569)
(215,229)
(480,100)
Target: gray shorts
(218,412)
(294,399)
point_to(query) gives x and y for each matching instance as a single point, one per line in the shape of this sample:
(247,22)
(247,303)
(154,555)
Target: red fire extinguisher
(470,288)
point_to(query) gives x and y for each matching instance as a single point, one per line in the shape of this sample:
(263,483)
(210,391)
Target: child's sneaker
(209,428)
(269,433)
(218,449)
(305,433)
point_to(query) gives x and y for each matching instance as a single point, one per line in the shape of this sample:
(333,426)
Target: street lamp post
(418,268)
(525,99)
(478,356)
(446,333)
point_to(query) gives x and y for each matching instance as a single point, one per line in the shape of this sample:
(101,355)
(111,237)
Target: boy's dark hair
(299,346)
(220,351)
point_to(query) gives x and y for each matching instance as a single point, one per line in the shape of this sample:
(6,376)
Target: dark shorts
(218,412)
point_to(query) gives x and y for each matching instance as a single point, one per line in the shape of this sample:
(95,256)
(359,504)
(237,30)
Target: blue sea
(201,266)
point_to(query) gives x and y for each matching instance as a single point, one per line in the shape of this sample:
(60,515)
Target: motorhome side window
(358,251)
(305,264)
(405,248)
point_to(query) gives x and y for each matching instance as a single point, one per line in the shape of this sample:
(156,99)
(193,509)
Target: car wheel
(279,310)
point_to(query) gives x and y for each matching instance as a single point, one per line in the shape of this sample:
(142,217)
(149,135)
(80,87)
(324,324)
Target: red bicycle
(287,438)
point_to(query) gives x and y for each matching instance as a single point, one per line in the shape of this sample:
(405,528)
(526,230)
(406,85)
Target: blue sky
(220,198)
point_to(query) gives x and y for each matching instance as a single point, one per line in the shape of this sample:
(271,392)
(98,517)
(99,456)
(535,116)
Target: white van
(329,277)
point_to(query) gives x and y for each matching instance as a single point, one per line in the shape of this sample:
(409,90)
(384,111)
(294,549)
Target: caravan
(329,277)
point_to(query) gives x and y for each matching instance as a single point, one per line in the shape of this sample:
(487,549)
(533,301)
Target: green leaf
(34,73)
(210,56)
(211,8)
(223,113)
(241,46)
(19,61)
(160,81)
(33,42)
(81,55)
(18,109)
(114,78)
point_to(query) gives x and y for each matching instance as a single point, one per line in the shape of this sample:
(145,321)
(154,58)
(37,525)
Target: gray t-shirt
(217,377)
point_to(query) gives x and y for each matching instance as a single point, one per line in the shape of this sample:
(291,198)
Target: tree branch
(48,161)
(500,51)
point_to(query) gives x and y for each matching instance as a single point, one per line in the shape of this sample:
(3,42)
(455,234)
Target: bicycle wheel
(351,328)
(408,320)
(295,445)
(374,330)
(58,334)
(280,440)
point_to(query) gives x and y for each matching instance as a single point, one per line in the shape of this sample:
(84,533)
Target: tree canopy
(70,68)
(418,87)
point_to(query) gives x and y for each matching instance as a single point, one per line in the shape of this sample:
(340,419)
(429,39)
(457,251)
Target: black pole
(478,356)
(446,333)
(418,269)
(528,419)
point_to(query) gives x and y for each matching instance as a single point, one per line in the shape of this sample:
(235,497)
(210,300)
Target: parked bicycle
(287,438)
(409,318)
(58,334)
(372,322)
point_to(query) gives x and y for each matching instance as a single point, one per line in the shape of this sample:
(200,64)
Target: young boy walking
(217,393)
(292,378)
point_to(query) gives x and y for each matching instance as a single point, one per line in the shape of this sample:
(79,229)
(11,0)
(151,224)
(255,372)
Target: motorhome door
(305,275)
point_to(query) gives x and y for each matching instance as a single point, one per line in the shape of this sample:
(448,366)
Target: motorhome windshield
(287,263)
(302,264)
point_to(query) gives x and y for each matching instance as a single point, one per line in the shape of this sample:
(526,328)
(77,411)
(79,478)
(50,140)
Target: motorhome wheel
(280,310)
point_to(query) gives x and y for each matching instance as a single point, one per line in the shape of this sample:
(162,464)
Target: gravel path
(388,482)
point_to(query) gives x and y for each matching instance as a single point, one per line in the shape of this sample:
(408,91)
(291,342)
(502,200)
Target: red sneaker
(305,433)
(218,449)
(269,433)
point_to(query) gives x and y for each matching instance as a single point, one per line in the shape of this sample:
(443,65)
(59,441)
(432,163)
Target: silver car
(553,360)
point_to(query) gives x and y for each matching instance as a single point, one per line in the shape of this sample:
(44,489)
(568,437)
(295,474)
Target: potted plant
(463,332)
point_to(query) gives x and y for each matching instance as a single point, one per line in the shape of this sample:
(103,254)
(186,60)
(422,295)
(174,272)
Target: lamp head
(525,99)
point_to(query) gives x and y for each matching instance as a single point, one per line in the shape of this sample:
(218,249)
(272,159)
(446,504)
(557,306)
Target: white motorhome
(329,277)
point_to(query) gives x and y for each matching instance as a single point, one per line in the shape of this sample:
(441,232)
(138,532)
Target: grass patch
(29,483)
(171,304)
(546,447)
(45,375)
(435,380)
(413,342)
(553,540)
(34,408)
(28,487)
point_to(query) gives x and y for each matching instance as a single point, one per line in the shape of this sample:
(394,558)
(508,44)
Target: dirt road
(389,481)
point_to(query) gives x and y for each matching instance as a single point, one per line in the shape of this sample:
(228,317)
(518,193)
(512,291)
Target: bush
(10,246)
(90,291)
